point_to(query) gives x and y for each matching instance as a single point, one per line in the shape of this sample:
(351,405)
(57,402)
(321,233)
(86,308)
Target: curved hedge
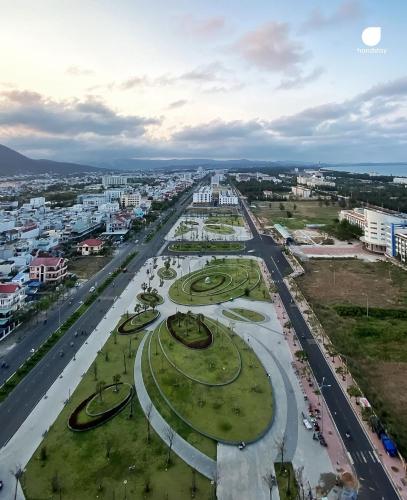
(194,344)
(167,274)
(126,331)
(194,285)
(374,312)
(77,426)
(143,297)
(97,414)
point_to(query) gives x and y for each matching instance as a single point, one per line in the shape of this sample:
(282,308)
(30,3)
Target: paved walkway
(188,453)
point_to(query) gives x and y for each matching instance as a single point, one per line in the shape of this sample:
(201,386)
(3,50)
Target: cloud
(371,126)
(300,80)
(30,111)
(270,48)
(347,11)
(177,104)
(203,27)
(78,71)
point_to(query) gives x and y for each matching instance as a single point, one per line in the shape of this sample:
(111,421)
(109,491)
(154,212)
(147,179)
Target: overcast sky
(90,80)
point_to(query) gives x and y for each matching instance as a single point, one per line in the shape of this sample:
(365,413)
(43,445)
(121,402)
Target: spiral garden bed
(137,322)
(167,274)
(148,298)
(79,420)
(189,330)
(218,282)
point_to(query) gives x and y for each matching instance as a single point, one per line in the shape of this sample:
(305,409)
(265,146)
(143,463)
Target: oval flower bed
(146,298)
(76,423)
(110,399)
(167,274)
(137,322)
(197,337)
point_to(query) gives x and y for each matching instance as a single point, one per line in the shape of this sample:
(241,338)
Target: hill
(13,163)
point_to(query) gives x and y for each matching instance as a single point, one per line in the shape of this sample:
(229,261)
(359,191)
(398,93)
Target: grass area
(248,314)
(108,399)
(296,214)
(182,229)
(287,485)
(376,349)
(229,278)
(231,220)
(224,412)
(206,246)
(138,321)
(217,364)
(167,274)
(202,443)
(188,329)
(218,229)
(78,462)
(87,266)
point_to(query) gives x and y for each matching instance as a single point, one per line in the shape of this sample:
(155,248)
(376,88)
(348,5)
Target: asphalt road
(20,402)
(375,483)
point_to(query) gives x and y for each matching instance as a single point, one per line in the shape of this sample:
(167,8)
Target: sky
(96,80)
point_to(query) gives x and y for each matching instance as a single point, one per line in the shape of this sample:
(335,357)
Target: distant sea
(398,170)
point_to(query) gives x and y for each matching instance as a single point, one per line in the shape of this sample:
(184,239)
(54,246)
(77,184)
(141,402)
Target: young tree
(95,371)
(17,473)
(149,411)
(169,436)
(281,446)
(108,445)
(116,380)
(99,389)
(270,480)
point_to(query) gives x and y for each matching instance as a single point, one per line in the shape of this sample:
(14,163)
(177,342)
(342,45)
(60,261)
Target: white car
(92,289)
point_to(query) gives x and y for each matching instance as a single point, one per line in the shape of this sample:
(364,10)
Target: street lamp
(125,489)
(321,386)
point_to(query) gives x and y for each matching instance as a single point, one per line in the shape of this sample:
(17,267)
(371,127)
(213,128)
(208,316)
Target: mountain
(13,163)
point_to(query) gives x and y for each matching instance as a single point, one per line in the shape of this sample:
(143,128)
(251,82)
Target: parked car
(92,289)
(389,445)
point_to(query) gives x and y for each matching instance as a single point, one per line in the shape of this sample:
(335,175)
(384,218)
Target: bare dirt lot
(376,349)
(85,267)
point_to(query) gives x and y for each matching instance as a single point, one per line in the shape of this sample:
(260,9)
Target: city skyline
(92,82)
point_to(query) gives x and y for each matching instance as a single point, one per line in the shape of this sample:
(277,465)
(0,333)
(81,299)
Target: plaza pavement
(199,233)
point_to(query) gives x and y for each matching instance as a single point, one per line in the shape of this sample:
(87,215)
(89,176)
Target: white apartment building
(400,180)
(400,243)
(114,180)
(301,191)
(228,198)
(314,179)
(130,200)
(355,217)
(203,195)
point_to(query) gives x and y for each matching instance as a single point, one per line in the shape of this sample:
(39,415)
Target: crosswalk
(364,456)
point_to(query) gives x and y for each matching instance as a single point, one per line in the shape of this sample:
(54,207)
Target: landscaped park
(219,281)
(206,246)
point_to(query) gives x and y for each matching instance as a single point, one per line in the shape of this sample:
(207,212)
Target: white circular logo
(371,36)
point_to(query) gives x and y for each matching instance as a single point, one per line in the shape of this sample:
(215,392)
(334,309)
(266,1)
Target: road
(20,402)
(375,483)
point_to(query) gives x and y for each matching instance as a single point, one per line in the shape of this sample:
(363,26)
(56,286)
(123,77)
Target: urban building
(12,298)
(91,246)
(203,195)
(48,270)
(301,191)
(228,198)
(114,180)
(130,200)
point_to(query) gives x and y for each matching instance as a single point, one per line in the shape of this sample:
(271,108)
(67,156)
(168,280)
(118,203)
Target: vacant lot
(376,348)
(86,267)
(296,214)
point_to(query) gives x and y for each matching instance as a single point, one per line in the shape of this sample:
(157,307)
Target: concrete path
(191,455)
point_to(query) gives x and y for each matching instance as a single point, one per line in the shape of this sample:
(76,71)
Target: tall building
(114,180)
(203,195)
(130,200)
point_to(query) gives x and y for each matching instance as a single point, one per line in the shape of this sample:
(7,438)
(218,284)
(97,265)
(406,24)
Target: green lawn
(229,278)
(146,298)
(230,220)
(217,364)
(139,320)
(302,213)
(78,460)
(239,411)
(206,246)
(287,485)
(202,443)
(219,229)
(248,314)
(182,229)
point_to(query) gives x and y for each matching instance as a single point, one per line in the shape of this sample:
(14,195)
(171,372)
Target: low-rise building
(203,195)
(130,200)
(48,270)
(12,298)
(301,191)
(228,198)
(91,246)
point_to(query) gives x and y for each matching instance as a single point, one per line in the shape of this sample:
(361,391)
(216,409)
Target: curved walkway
(193,457)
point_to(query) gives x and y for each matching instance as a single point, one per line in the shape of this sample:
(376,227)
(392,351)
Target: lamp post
(125,489)
(322,386)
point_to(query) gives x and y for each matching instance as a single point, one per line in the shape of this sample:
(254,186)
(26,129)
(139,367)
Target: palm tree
(137,308)
(116,380)
(99,389)
(144,286)
(200,318)
(153,303)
